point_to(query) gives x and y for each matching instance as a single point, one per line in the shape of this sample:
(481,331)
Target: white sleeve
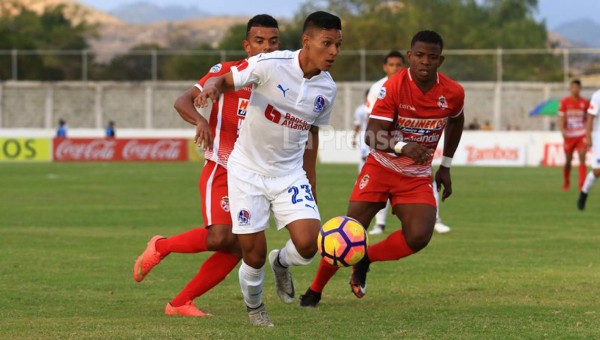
(372,97)
(358,116)
(594,108)
(251,72)
(323,118)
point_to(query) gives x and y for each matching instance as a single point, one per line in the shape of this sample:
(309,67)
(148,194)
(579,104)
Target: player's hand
(203,136)
(587,140)
(211,93)
(417,152)
(442,178)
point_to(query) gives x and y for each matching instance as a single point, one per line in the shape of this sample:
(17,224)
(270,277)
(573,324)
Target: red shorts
(213,194)
(574,143)
(377,183)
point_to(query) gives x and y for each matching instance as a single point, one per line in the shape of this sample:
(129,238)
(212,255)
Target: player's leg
(250,217)
(363,212)
(380,220)
(413,203)
(581,151)
(568,147)
(195,240)
(591,177)
(294,208)
(439,227)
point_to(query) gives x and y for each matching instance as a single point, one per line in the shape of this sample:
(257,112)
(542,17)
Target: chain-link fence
(542,65)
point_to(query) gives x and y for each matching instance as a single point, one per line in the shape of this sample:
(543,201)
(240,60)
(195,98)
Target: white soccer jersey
(594,109)
(282,108)
(361,115)
(374,93)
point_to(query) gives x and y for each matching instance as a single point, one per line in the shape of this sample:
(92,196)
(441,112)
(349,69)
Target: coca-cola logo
(98,149)
(154,150)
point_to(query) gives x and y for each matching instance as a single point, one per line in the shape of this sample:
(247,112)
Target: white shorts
(595,150)
(252,197)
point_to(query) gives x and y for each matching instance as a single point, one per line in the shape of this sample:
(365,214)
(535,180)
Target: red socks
(582,175)
(394,247)
(193,241)
(325,272)
(213,271)
(566,176)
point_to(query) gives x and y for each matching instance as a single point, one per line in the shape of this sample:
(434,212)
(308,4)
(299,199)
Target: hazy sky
(555,12)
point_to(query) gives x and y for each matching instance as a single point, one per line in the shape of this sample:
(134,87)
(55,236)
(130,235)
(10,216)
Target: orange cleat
(149,258)
(189,309)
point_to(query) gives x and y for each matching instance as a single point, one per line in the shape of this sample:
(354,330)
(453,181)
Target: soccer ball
(342,241)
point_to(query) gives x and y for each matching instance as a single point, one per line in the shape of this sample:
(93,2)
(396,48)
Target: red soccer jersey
(226,115)
(417,117)
(574,111)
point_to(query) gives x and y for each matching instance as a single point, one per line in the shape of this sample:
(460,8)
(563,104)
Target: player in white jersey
(272,166)
(592,139)
(361,115)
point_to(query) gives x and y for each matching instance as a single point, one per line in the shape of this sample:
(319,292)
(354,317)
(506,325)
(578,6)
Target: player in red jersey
(571,121)
(218,136)
(413,109)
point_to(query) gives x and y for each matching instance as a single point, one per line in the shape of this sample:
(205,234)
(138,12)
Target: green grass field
(521,261)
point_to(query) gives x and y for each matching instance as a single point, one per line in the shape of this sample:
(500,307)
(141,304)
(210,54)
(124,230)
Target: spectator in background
(110,129)
(487,126)
(361,116)
(61,131)
(474,125)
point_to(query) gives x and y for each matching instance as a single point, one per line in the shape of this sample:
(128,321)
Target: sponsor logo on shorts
(225,203)
(319,104)
(244,217)
(216,68)
(363,182)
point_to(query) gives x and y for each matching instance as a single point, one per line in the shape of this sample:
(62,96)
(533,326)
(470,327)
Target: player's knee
(220,238)
(307,250)
(418,240)
(254,260)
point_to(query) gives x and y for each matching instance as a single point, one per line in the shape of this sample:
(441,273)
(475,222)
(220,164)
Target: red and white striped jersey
(417,117)
(574,112)
(226,115)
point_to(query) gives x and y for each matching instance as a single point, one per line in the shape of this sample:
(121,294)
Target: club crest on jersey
(442,102)
(363,182)
(319,104)
(225,203)
(382,93)
(242,107)
(216,68)
(244,217)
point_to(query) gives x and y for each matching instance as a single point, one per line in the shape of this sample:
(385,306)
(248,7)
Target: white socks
(590,179)
(289,256)
(436,194)
(251,282)
(381,216)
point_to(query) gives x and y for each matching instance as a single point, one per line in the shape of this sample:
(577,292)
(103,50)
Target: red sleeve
(386,103)
(215,71)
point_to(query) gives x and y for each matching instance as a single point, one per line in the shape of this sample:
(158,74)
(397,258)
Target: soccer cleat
(259,317)
(358,278)
(440,227)
(149,258)
(377,229)
(581,201)
(188,309)
(310,298)
(283,278)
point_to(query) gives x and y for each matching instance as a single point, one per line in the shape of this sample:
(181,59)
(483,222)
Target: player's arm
(184,105)
(561,124)
(355,135)
(589,126)
(310,158)
(213,89)
(452,136)
(377,136)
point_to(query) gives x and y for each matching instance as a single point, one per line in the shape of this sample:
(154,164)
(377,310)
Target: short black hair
(576,81)
(394,54)
(322,20)
(429,37)
(261,20)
